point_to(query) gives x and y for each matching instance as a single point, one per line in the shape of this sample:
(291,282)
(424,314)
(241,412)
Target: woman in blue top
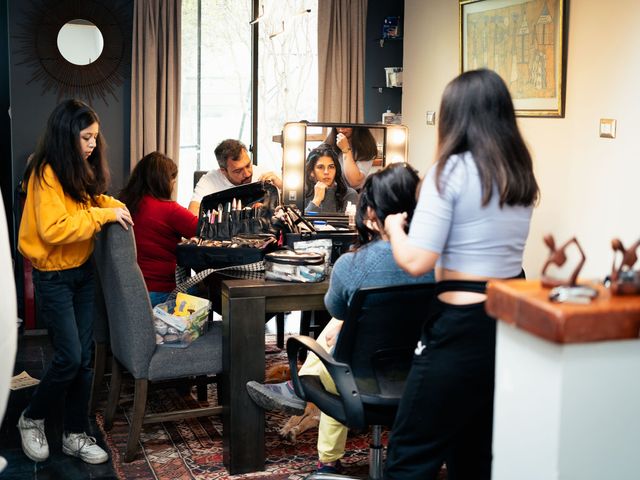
(390,190)
(471,224)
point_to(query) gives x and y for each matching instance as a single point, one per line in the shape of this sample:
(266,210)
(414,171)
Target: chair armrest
(339,372)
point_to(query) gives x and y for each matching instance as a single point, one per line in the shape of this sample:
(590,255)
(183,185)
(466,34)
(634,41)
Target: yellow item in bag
(187,304)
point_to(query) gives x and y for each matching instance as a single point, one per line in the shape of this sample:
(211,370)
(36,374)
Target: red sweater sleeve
(185,222)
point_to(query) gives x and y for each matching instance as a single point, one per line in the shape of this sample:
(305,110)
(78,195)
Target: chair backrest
(100,317)
(380,335)
(196,176)
(126,299)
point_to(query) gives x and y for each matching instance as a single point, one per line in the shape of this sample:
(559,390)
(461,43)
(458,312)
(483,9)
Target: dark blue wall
(30,106)
(376,58)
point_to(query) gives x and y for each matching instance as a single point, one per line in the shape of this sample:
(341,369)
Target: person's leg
(77,404)
(471,453)
(281,396)
(158,297)
(447,389)
(75,440)
(312,365)
(54,301)
(332,435)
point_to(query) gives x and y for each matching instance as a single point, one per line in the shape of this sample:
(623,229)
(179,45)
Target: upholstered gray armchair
(132,336)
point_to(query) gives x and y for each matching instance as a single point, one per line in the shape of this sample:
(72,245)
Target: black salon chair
(197,175)
(370,362)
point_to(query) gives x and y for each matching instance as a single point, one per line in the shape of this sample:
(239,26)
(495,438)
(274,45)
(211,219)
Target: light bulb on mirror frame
(294,156)
(292,181)
(294,133)
(397,135)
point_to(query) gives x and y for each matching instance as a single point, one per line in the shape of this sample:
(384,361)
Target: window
(216,78)
(216,83)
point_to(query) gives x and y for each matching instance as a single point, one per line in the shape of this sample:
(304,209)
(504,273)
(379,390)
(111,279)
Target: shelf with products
(382,89)
(387,39)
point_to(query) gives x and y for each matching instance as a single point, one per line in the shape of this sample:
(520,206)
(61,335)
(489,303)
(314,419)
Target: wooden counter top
(525,303)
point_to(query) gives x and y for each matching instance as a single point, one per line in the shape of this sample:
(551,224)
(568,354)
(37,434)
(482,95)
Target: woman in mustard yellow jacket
(64,209)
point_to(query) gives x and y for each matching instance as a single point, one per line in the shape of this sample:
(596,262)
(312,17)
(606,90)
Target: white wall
(589,184)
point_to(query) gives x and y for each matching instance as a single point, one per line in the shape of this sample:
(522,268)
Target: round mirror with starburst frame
(38,47)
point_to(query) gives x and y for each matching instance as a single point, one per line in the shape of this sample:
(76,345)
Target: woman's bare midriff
(460,298)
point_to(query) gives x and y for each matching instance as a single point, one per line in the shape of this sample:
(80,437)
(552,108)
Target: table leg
(242,360)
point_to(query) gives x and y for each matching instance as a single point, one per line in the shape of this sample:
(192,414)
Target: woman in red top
(160,222)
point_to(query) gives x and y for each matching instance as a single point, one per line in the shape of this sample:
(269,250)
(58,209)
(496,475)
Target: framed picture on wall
(524,42)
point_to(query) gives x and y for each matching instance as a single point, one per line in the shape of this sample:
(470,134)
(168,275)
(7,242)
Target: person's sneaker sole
(92,461)
(31,456)
(26,450)
(265,399)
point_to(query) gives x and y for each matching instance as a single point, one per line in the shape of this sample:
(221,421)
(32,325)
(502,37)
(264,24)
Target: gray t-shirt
(485,241)
(370,266)
(329,203)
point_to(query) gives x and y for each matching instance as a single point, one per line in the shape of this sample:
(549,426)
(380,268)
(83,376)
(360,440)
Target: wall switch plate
(431,118)
(608,128)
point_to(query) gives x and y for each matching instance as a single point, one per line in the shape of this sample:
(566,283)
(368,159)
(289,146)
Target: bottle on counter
(387,116)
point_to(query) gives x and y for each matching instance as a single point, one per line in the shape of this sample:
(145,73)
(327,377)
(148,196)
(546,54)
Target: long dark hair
(387,191)
(477,115)
(362,143)
(324,150)
(153,176)
(59,147)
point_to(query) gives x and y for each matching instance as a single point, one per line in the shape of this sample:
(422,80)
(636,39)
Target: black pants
(65,302)
(446,412)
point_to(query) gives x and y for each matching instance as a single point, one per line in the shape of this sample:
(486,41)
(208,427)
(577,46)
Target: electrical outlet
(292,195)
(431,118)
(607,128)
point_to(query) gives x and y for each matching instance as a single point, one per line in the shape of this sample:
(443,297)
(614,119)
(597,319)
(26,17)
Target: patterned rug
(192,449)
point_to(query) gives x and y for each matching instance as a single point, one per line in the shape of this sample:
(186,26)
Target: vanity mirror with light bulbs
(299,138)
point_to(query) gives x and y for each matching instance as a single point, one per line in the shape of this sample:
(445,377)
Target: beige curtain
(155,79)
(341,46)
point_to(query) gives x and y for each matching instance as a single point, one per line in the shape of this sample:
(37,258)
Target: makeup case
(234,228)
(293,266)
(341,240)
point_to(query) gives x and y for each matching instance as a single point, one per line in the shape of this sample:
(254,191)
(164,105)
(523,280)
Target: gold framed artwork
(524,42)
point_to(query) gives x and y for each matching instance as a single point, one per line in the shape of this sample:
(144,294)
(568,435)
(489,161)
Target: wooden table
(244,305)
(567,385)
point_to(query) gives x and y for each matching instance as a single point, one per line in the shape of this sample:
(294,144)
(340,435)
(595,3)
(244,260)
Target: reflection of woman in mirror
(358,149)
(326,189)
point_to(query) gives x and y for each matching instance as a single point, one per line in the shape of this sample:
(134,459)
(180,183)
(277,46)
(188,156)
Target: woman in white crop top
(471,223)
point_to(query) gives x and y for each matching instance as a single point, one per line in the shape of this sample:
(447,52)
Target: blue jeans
(158,297)
(64,299)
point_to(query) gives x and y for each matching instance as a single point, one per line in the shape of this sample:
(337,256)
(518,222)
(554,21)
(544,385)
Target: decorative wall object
(524,41)
(38,39)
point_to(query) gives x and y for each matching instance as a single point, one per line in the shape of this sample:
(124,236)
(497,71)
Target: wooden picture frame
(524,41)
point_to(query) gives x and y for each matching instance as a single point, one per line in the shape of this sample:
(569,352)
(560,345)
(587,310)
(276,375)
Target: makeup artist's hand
(395,223)
(271,177)
(343,143)
(123,217)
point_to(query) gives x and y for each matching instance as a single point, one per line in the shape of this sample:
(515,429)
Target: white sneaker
(83,446)
(34,441)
